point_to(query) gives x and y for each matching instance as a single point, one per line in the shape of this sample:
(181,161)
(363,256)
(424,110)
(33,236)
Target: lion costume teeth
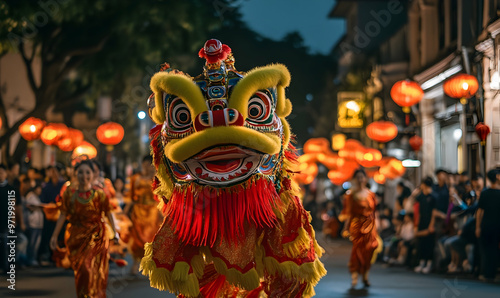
(234,226)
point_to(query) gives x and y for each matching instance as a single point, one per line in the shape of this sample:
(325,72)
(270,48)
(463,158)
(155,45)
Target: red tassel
(201,214)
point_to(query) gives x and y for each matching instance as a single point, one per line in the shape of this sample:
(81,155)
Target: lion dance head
(234,225)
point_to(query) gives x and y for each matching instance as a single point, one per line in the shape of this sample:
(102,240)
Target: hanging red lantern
(31,129)
(85,148)
(317,145)
(329,160)
(382,131)
(416,143)
(339,177)
(371,158)
(461,86)
(351,149)
(482,131)
(406,93)
(306,173)
(110,133)
(379,178)
(53,132)
(73,139)
(393,169)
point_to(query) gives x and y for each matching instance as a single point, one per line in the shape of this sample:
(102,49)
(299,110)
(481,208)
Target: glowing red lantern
(416,143)
(73,139)
(339,177)
(371,158)
(317,145)
(53,132)
(393,169)
(85,148)
(110,133)
(308,158)
(329,160)
(31,129)
(482,131)
(379,178)
(406,93)
(462,86)
(351,149)
(382,131)
(306,173)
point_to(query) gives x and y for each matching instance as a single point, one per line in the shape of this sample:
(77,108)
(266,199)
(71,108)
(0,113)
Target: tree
(103,42)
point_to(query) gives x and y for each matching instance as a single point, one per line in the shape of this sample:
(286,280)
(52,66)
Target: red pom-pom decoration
(214,51)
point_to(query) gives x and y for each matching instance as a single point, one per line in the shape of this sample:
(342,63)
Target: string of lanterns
(341,165)
(69,139)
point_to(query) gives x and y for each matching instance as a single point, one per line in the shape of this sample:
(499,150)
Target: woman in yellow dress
(86,209)
(359,217)
(146,218)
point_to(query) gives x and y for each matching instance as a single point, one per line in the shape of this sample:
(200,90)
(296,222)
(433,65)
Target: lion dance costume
(234,226)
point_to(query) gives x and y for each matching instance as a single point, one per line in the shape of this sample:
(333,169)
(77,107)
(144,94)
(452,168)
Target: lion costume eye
(259,107)
(179,115)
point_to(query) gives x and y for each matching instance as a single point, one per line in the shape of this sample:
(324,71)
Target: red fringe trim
(201,214)
(156,145)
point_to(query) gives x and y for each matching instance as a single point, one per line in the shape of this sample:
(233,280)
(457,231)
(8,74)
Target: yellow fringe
(377,250)
(296,247)
(177,281)
(318,249)
(248,281)
(310,273)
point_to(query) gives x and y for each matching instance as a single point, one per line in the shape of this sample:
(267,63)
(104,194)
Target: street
(386,282)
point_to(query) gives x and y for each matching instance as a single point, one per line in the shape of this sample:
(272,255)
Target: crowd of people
(73,217)
(447,224)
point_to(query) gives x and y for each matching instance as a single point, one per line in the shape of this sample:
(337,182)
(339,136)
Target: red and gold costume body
(360,211)
(145,217)
(87,242)
(234,226)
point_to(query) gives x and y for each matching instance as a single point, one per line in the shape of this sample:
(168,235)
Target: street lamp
(141,115)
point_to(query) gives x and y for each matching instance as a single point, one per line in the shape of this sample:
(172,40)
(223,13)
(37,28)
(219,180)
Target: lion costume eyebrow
(275,75)
(179,85)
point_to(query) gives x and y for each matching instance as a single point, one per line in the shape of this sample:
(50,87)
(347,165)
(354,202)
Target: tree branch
(73,97)
(29,69)
(88,50)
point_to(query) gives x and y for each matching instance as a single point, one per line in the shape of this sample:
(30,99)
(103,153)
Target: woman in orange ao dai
(86,209)
(359,217)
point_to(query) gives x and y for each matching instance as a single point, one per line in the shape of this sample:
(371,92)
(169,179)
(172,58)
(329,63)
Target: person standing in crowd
(48,196)
(477,183)
(35,223)
(119,185)
(403,193)
(359,217)
(13,175)
(7,192)
(146,218)
(85,208)
(424,230)
(463,179)
(441,191)
(488,226)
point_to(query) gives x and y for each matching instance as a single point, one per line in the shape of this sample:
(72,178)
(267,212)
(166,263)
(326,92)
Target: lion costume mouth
(224,164)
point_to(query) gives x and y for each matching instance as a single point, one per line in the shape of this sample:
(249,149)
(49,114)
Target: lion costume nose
(223,117)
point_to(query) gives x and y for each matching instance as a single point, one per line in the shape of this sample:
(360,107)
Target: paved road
(386,282)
